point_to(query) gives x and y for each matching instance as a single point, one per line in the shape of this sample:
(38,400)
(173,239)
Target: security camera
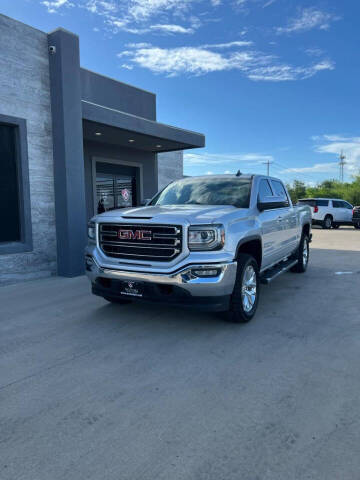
(52,50)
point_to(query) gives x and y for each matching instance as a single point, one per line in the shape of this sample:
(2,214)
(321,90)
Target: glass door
(114,191)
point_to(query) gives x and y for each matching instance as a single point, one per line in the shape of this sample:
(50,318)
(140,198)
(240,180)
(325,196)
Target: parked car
(203,241)
(329,212)
(356,217)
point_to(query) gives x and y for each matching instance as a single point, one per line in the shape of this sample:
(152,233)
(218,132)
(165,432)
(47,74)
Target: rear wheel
(327,222)
(302,255)
(357,226)
(121,301)
(245,296)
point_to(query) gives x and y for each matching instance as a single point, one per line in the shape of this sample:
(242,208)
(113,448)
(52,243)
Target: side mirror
(270,203)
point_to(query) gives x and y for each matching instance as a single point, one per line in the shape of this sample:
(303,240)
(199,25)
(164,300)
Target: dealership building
(72,143)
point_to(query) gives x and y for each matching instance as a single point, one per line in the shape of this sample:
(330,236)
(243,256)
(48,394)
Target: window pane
(337,204)
(206,191)
(279,189)
(322,203)
(311,203)
(264,190)
(9,192)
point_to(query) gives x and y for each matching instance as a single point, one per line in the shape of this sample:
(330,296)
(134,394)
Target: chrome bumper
(220,285)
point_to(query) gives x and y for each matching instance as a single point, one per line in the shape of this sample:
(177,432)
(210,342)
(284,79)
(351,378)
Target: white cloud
(335,144)
(236,43)
(171,28)
(280,73)
(54,5)
(202,60)
(308,19)
(332,145)
(317,168)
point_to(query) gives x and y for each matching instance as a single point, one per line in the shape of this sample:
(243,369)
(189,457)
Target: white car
(329,212)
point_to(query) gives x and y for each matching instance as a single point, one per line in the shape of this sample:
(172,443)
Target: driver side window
(264,190)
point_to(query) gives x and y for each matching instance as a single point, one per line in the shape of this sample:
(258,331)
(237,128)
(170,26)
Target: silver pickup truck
(206,242)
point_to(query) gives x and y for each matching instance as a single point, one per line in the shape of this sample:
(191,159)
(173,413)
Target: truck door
(288,221)
(349,212)
(341,214)
(271,227)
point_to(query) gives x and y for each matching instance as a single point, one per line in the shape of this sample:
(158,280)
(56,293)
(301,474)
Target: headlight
(92,231)
(206,237)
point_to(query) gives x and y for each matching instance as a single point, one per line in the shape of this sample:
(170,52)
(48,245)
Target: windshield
(206,191)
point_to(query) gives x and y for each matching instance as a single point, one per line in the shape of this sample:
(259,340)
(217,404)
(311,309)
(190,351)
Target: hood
(171,213)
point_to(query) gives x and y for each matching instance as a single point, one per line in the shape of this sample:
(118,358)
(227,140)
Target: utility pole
(342,163)
(268,163)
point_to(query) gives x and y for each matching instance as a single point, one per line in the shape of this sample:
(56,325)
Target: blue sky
(273,80)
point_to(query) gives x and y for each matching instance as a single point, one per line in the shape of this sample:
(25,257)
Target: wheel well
(306,229)
(252,247)
(328,215)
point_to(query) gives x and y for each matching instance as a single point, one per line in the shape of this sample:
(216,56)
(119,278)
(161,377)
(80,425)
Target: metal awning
(114,127)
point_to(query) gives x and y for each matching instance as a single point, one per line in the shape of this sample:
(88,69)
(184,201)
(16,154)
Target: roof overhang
(114,127)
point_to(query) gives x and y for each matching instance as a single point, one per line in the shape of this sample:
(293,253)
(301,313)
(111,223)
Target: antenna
(268,163)
(342,163)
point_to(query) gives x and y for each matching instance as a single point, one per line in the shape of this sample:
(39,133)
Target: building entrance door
(115,189)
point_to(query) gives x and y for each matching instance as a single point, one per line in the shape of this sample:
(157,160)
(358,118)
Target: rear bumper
(181,287)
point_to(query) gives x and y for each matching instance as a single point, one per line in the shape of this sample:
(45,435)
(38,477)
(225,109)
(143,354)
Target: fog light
(206,273)
(88,263)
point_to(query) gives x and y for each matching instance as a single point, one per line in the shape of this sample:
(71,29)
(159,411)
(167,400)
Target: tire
(336,226)
(302,255)
(327,222)
(243,304)
(357,226)
(120,301)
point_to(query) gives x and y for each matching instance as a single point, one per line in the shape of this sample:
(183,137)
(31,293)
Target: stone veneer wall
(25,93)
(170,167)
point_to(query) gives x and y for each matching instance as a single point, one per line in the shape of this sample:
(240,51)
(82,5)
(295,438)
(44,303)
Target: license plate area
(131,288)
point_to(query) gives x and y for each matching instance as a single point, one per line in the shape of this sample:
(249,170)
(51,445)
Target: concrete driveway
(95,391)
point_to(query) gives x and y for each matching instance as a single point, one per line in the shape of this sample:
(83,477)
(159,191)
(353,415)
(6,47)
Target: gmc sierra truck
(206,242)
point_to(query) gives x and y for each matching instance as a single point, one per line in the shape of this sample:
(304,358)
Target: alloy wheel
(249,289)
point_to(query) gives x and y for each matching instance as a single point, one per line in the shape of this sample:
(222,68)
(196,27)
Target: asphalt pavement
(90,390)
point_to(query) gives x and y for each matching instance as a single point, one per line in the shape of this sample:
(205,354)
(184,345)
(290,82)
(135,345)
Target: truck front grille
(159,243)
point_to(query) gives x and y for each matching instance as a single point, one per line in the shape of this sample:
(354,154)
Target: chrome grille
(160,243)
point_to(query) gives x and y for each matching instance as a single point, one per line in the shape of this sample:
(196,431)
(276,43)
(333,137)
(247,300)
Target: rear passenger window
(322,203)
(337,204)
(264,190)
(279,190)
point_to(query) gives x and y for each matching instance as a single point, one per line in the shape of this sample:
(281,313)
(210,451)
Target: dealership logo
(134,235)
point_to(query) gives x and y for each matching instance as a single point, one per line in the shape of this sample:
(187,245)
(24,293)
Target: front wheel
(245,297)
(302,255)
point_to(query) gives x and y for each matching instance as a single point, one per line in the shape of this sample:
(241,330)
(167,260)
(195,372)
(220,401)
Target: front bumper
(180,287)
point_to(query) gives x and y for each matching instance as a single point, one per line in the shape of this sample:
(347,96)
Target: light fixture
(158,146)
(131,140)
(98,134)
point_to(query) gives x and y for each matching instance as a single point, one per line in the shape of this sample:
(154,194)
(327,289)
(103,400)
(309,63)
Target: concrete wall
(25,93)
(111,93)
(99,150)
(170,167)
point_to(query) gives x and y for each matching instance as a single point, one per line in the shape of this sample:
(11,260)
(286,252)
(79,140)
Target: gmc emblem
(134,235)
